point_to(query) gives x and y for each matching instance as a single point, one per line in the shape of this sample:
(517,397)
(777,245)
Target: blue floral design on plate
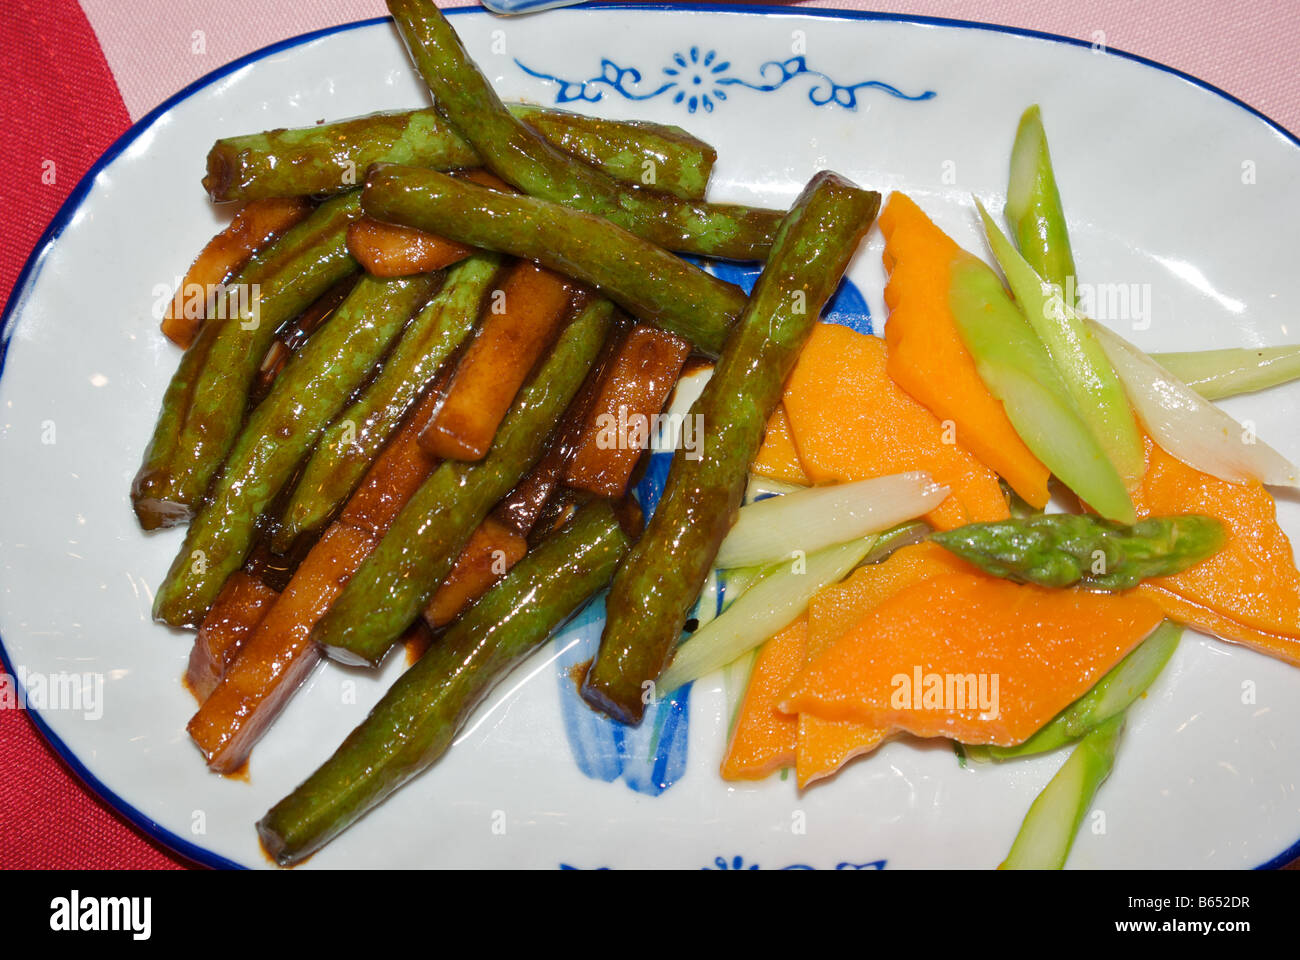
(648,758)
(738,863)
(699,79)
(651,757)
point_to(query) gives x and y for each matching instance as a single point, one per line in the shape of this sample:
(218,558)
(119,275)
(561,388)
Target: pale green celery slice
(1218,374)
(778,598)
(767,530)
(1078,357)
(1015,366)
(1190,427)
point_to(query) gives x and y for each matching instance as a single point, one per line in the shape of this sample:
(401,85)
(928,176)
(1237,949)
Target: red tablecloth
(75,75)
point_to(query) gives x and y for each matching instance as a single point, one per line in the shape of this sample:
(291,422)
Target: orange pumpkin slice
(927,357)
(850,421)
(1249,592)
(972,658)
(777,458)
(763,739)
(824,746)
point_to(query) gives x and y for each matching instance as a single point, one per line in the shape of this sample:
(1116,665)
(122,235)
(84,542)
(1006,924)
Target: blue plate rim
(67,210)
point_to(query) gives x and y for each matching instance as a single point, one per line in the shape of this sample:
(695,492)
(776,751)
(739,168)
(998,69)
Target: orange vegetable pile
(922,642)
(855,670)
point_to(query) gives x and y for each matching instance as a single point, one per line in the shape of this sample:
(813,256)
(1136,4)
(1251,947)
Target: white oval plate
(1170,185)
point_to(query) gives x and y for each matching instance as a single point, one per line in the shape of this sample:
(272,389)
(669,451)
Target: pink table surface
(1247,48)
(75,76)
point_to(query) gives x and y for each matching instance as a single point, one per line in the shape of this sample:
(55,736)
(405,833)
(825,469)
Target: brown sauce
(578,672)
(695,364)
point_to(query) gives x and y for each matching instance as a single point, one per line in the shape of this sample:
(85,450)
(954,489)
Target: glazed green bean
(328,158)
(307,395)
(644,279)
(399,577)
(519,155)
(655,588)
(156,494)
(654,155)
(414,723)
(351,442)
(205,402)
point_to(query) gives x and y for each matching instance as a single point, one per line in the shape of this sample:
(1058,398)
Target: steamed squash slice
(763,739)
(1249,592)
(972,658)
(927,357)
(850,421)
(824,746)
(777,458)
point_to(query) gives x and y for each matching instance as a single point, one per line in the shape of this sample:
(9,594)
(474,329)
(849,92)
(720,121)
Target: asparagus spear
(205,402)
(306,396)
(1078,357)
(646,280)
(414,723)
(1216,374)
(1111,696)
(1062,549)
(158,495)
(519,155)
(1049,828)
(352,441)
(1034,205)
(655,588)
(1017,369)
(400,576)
